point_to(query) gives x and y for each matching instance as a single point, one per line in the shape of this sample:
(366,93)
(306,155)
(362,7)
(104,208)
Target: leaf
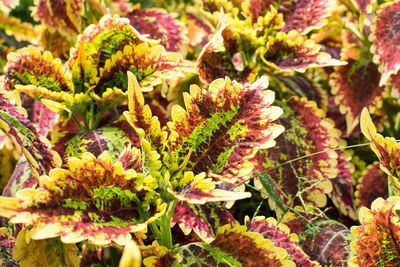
(305,15)
(12,26)
(217,58)
(364,6)
(232,246)
(37,74)
(377,239)
(21,178)
(386,149)
(221,129)
(291,52)
(371,185)
(268,184)
(342,194)
(65,16)
(113,139)
(92,198)
(160,26)
(324,240)
(356,85)
(385,34)
(308,131)
(280,235)
(25,137)
(204,220)
(49,252)
(301,86)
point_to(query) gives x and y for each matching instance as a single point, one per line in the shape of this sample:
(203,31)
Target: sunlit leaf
(48,252)
(280,235)
(204,220)
(305,15)
(93,198)
(288,52)
(159,25)
(221,128)
(377,239)
(232,246)
(65,16)
(386,149)
(21,178)
(25,137)
(307,131)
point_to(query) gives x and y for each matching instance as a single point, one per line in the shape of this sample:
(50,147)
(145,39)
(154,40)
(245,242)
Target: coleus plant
(137,142)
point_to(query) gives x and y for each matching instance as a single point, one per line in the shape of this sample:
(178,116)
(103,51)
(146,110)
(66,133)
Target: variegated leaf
(325,241)
(377,240)
(113,139)
(49,252)
(301,86)
(12,26)
(160,25)
(387,151)
(204,220)
(308,131)
(36,73)
(385,32)
(24,135)
(21,178)
(364,6)
(218,56)
(342,193)
(289,52)
(222,127)
(371,185)
(280,235)
(197,189)
(199,31)
(105,52)
(305,15)
(356,85)
(257,8)
(93,198)
(64,16)
(232,246)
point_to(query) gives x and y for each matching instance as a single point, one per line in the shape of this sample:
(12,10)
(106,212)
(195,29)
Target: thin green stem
(77,123)
(300,158)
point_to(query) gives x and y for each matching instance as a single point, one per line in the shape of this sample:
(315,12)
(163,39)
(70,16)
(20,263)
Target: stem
(77,123)
(165,222)
(302,157)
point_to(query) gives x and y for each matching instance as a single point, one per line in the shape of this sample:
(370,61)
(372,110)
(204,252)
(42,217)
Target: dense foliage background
(199,133)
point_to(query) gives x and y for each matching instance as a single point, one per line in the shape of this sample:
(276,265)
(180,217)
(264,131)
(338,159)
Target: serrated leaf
(232,246)
(65,16)
(355,86)
(308,131)
(324,240)
(305,15)
(204,220)
(291,52)
(371,185)
(280,235)
(21,178)
(160,26)
(92,198)
(384,37)
(24,135)
(222,127)
(377,239)
(386,149)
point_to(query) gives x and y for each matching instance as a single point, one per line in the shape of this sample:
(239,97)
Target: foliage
(199,132)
